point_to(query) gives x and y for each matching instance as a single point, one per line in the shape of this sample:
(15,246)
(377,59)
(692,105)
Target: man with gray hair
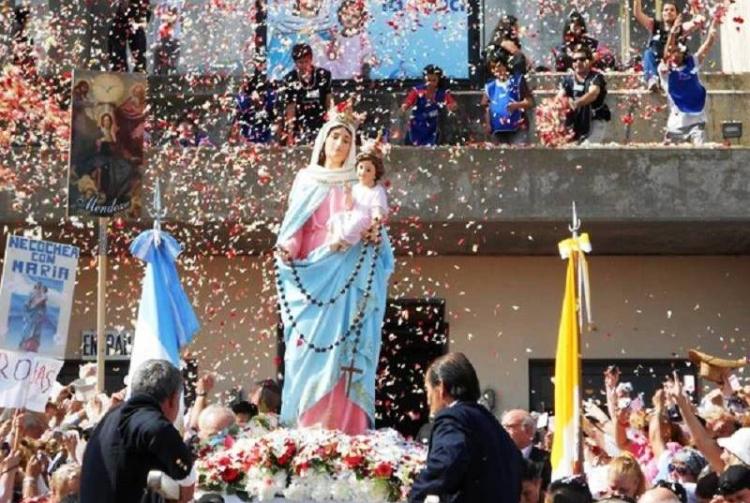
(521,426)
(659,495)
(137,437)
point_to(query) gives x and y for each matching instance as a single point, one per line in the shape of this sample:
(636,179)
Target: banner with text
(118,345)
(36,295)
(26,380)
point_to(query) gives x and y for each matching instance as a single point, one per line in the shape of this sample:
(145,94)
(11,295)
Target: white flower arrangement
(313,465)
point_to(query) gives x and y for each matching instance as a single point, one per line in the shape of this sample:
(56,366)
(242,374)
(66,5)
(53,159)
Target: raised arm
(644,20)
(202,388)
(705,47)
(655,433)
(611,378)
(703,441)
(671,40)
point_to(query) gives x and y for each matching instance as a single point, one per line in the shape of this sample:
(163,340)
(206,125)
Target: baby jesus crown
(376,146)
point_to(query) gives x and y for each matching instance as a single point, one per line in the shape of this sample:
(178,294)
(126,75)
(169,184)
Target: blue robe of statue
(321,340)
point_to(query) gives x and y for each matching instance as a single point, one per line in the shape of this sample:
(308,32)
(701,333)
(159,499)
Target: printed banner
(106,148)
(26,380)
(383,39)
(36,295)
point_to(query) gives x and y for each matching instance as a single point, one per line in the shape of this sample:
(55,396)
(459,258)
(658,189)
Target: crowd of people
(99,447)
(291,110)
(507,99)
(671,447)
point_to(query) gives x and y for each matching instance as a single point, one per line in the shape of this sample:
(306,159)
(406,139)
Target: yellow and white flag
(566,447)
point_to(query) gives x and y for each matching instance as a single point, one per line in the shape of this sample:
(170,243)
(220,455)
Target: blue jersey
(423,125)
(256,118)
(500,95)
(685,88)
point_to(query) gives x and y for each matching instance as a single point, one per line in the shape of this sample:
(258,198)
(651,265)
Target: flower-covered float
(261,462)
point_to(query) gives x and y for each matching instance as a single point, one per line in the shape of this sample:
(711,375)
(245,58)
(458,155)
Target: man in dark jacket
(137,437)
(521,426)
(471,457)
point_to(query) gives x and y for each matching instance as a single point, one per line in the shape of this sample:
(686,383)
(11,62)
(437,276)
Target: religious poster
(106,149)
(26,381)
(36,295)
(382,39)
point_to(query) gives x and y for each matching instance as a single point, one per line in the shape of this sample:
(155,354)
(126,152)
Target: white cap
(738,444)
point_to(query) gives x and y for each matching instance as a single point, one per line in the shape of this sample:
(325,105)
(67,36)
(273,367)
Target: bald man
(659,495)
(521,427)
(214,420)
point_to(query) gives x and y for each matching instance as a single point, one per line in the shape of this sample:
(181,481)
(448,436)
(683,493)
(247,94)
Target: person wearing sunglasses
(585,91)
(684,468)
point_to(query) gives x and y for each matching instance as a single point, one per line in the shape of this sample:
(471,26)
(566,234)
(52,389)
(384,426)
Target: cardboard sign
(36,295)
(26,380)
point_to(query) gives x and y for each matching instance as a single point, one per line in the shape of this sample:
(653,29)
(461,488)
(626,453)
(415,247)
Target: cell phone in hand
(688,383)
(734,382)
(673,413)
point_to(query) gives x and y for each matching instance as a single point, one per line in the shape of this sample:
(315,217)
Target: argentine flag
(166,320)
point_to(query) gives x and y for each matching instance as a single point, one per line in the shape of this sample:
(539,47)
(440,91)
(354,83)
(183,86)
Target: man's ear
(443,391)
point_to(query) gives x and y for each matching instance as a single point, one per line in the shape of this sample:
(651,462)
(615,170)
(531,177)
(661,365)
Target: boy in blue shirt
(505,100)
(685,91)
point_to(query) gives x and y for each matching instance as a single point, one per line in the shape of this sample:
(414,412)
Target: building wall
(502,310)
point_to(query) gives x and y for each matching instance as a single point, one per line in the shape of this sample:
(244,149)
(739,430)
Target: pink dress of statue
(333,411)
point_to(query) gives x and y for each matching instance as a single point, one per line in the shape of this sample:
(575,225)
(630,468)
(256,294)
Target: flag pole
(157,212)
(574,227)
(101,304)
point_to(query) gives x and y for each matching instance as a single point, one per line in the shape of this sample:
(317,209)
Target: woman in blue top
(505,100)
(427,102)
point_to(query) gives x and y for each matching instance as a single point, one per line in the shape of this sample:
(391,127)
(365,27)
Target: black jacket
(131,440)
(541,457)
(471,459)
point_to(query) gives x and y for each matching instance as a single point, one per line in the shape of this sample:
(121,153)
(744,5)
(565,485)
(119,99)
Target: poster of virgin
(36,295)
(108,115)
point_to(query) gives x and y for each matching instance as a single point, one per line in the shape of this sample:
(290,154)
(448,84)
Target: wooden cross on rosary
(351,370)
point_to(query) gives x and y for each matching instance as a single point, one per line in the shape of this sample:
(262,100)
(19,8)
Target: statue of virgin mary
(332,302)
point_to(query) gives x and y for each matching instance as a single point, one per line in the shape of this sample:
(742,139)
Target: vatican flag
(566,448)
